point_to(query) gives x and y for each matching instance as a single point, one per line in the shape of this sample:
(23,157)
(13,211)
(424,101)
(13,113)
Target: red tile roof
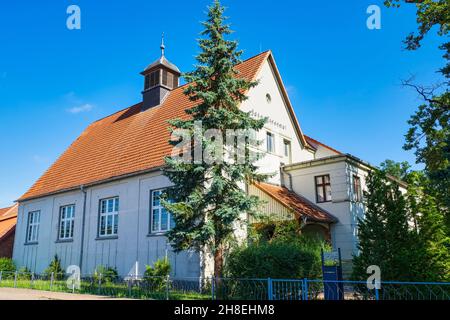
(124,143)
(315,144)
(302,207)
(8,220)
(3,211)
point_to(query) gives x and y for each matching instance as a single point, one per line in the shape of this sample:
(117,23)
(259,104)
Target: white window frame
(108,212)
(357,188)
(272,142)
(66,222)
(157,211)
(34,218)
(287,148)
(323,183)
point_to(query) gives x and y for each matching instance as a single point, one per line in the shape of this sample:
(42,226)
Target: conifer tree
(385,238)
(208,200)
(430,227)
(404,234)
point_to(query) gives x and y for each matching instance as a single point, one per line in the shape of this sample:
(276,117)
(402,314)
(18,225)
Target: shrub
(23,273)
(288,231)
(104,274)
(7,267)
(277,259)
(156,276)
(268,230)
(55,268)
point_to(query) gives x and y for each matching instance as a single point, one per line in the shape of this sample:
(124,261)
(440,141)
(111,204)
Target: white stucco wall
(342,206)
(132,244)
(322,152)
(280,123)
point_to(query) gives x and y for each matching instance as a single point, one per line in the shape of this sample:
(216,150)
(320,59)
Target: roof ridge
(255,56)
(106,136)
(177,88)
(112,114)
(8,217)
(323,144)
(8,213)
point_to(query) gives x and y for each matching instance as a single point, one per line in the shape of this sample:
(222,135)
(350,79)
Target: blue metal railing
(388,290)
(178,288)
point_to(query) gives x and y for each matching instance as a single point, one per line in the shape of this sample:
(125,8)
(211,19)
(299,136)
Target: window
(323,188)
(154,78)
(268,98)
(164,77)
(66,222)
(109,217)
(33,226)
(270,142)
(357,191)
(147,82)
(287,148)
(161,220)
(170,80)
(252,138)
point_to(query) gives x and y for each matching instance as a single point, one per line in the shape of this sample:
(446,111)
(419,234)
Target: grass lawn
(118,290)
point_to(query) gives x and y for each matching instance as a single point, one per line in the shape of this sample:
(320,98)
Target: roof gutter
(338,158)
(93,184)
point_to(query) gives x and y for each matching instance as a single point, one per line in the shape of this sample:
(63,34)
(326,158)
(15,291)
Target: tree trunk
(218,262)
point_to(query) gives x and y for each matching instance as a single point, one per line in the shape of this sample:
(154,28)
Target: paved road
(28,294)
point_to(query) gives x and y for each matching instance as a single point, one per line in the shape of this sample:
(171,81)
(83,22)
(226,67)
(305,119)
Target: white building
(98,203)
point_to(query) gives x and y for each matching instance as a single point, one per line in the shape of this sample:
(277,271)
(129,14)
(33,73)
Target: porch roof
(302,207)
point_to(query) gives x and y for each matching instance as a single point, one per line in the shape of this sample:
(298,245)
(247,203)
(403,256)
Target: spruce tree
(208,200)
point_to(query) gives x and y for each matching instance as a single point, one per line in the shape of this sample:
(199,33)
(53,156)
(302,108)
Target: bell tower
(160,78)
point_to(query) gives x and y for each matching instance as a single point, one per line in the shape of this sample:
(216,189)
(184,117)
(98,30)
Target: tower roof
(162,61)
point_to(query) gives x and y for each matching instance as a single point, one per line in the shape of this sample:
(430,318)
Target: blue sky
(343,79)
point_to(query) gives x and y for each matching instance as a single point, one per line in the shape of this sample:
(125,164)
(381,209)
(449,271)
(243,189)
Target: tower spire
(161,77)
(163,47)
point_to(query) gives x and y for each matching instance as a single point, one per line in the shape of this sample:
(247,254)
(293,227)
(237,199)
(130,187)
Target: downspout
(289,176)
(82,226)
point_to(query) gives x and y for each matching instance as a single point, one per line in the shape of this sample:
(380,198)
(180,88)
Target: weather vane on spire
(162,44)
